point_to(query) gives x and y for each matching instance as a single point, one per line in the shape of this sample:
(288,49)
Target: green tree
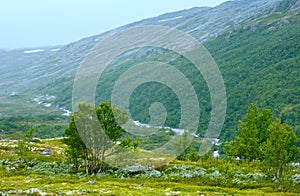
(92,132)
(248,132)
(262,138)
(77,149)
(113,131)
(108,122)
(24,145)
(280,148)
(264,120)
(252,133)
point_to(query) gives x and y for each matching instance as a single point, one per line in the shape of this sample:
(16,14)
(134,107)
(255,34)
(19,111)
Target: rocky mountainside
(39,80)
(24,68)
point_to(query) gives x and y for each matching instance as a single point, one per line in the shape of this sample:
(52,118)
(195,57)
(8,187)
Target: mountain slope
(202,23)
(260,64)
(253,42)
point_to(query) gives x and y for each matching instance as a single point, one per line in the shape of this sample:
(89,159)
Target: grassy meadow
(46,171)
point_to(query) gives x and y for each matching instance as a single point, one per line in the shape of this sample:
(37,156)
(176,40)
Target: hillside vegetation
(255,45)
(258,61)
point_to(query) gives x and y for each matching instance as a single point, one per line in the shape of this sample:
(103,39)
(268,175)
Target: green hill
(259,62)
(254,43)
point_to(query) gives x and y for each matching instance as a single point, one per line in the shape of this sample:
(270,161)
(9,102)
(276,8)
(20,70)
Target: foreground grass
(50,175)
(113,186)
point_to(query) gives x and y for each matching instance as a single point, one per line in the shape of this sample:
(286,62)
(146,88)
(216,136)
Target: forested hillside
(255,44)
(259,62)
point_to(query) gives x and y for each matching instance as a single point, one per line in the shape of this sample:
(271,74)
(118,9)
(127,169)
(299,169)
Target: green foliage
(193,156)
(76,147)
(24,146)
(251,58)
(108,122)
(46,126)
(92,132)
(252,133)
(280,148)
(260,138)
(129,143)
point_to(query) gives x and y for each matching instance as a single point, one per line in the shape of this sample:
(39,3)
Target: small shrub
(237,181)
(150,174)
(296,178)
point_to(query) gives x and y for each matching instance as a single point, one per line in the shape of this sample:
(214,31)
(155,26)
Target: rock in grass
(144,184)
(90,182)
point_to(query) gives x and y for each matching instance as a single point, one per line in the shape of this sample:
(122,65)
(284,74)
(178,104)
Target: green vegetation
(92,132)
(46,126)
(38,174)
(261,138)
(280,148)
(16,117)
(259,62)
(24,146)
(64,166)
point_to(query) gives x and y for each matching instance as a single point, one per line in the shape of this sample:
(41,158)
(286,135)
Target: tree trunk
(102,156)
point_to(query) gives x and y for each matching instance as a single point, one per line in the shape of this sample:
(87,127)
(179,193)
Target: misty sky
(33,23)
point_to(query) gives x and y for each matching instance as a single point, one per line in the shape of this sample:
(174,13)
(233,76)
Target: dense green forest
(259,63)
